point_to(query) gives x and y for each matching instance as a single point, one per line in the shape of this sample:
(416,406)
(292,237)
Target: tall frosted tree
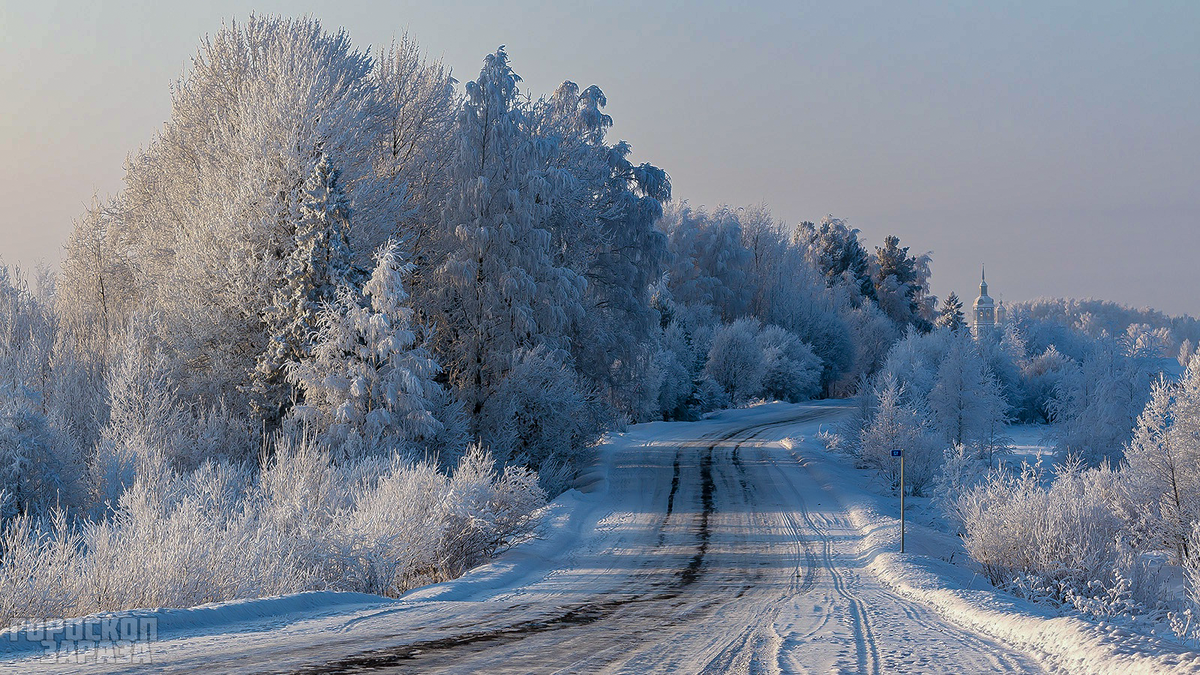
(1097,403)
(966,403)
(1163,463)
(500,289)
(418,106)
(603,228)
(902,284)
(317,266)
(212,203)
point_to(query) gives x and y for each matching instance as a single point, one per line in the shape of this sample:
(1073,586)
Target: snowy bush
(958,473)
(1064,533)
(486,511)
(177,539)
(542,417)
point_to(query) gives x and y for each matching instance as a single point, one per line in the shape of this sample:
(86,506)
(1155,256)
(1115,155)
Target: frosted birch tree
(500,290)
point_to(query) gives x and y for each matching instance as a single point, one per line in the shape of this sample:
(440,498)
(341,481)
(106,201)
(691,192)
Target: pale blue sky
(1058,142)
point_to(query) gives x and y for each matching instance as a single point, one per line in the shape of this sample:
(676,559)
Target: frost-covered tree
(897,425)
(792,370)
(369,384)
(96,296)
(902,284)
(709,264)
(41,436)
(966,403)
(603,228)
(743,263)
(212,203)
(1005,352)
(833,247)
(1163,463)
(914,361)
(418,106)
(1040,377)
(1145,341)
(872,335)
(500,290)
(735,360)
(951,314)
(317,266)
(1186,350)
(1097,403)
(25,440)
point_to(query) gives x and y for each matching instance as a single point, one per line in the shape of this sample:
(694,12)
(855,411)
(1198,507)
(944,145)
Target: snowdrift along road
(716,546)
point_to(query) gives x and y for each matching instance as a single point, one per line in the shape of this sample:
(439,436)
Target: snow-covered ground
(734,544)
(1030,443)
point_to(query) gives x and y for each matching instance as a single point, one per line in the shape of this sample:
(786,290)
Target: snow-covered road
(704,547)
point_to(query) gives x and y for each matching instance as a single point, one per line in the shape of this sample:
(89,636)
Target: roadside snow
(924,574)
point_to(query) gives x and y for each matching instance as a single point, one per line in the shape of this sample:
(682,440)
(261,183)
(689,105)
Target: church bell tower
(985,309)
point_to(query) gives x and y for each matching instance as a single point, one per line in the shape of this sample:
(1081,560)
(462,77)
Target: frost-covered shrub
(486,511)
(1065,532)
(958,473)
(303,522)
(542,416)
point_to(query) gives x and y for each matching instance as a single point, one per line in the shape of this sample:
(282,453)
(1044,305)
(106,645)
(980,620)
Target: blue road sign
(897,453)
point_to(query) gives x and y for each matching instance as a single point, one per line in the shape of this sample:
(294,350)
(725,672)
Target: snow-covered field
(734,544)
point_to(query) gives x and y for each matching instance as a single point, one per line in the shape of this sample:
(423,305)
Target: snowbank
(252,614)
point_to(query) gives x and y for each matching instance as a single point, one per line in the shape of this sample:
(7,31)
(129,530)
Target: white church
(988,314)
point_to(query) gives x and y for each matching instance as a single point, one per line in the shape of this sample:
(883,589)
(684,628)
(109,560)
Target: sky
(1059,143)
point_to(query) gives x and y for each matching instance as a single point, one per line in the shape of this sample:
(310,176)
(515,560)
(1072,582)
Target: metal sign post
(900,454)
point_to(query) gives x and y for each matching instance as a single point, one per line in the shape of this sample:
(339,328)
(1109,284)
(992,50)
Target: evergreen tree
(317,265)
(902,284)
(951,315)
(833,247)
(368,385)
